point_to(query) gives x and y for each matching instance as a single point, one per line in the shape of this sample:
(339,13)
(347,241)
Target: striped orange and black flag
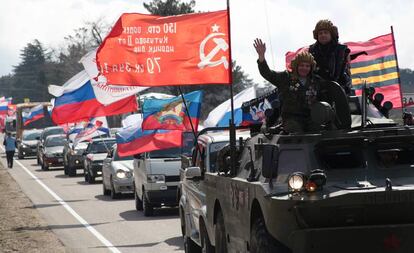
(378,67)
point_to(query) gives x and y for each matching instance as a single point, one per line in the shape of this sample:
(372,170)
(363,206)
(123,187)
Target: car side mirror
(192,172)
(270,160)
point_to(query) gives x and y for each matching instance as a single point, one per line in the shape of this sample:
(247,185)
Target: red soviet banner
(147,50)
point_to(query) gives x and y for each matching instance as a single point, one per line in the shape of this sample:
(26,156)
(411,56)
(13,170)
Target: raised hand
(260,49)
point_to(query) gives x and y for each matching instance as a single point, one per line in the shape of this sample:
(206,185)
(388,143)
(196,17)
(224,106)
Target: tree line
(41,65)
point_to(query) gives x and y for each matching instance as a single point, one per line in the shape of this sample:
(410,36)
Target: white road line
(98,235)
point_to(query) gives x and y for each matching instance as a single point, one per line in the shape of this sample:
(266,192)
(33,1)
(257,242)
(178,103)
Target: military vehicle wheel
(146,206)
(205,242)
(114,194)
(262,241)
(105,191)
(220,235)
(138,202)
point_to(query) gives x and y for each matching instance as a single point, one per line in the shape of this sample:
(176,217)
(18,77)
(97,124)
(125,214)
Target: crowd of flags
(122,67)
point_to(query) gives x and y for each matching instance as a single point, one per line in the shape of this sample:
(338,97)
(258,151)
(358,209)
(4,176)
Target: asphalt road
(87,221)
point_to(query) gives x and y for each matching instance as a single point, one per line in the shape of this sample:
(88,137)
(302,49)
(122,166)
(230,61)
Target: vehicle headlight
(120,174)
(153,178)
(24,146)
(296,181)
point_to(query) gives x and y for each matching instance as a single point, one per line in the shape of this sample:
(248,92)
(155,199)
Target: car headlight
(153,178)
(120,174)
(296,181)
(24,146)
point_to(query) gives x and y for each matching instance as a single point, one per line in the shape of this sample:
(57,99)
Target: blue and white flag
(220,116)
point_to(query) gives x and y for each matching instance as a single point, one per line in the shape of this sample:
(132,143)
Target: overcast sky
(284,25)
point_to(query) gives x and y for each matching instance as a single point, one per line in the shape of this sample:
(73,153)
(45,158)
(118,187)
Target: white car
(156,177)
(117,174)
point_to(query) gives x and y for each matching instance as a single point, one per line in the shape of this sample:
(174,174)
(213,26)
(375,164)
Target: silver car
(117,174)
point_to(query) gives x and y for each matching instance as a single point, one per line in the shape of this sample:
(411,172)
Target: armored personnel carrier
(336,190)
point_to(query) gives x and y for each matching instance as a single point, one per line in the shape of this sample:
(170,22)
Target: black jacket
(332,63)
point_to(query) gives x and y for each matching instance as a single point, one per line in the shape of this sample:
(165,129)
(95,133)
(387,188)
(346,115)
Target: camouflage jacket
(295,97)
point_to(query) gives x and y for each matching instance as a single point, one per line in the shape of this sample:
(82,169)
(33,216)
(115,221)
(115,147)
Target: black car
(45,133)
(52,151)
(27,146)
(73,157)
(94,155)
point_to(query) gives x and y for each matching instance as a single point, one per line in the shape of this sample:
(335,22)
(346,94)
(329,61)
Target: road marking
(91,229)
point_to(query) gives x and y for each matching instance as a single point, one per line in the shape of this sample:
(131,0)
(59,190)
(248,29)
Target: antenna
(268,34)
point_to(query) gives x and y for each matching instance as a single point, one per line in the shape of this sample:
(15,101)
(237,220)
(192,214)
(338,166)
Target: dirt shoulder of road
(22,229)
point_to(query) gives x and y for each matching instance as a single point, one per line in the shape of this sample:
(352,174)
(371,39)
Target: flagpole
(398,68)
(232,130)
(187,112)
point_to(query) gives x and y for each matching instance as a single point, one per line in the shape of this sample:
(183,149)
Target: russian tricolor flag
(96,127)
(133,140)
(81,103)
(4,105)
(171,113)
(34,114)
(220,116)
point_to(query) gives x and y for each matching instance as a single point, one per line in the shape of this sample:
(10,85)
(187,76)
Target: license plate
(60,159)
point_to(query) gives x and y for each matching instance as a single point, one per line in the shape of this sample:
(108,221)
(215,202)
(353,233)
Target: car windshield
(188,143)
(119,158)
(55,142)
(101,147)
(214,149)
(166,153)
(53,132)
(30,136)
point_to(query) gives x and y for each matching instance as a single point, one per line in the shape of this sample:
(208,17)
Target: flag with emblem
(378,67)
(148,50)
(172,113)
(375,62)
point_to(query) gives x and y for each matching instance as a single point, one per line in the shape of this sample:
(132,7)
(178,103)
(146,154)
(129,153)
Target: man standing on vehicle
(10,145)
(298,89)
(332,58)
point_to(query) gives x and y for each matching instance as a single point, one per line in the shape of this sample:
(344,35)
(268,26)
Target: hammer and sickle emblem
(221,44)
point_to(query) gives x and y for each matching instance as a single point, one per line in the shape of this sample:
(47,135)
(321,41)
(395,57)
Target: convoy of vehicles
(299,193)
(117,174)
